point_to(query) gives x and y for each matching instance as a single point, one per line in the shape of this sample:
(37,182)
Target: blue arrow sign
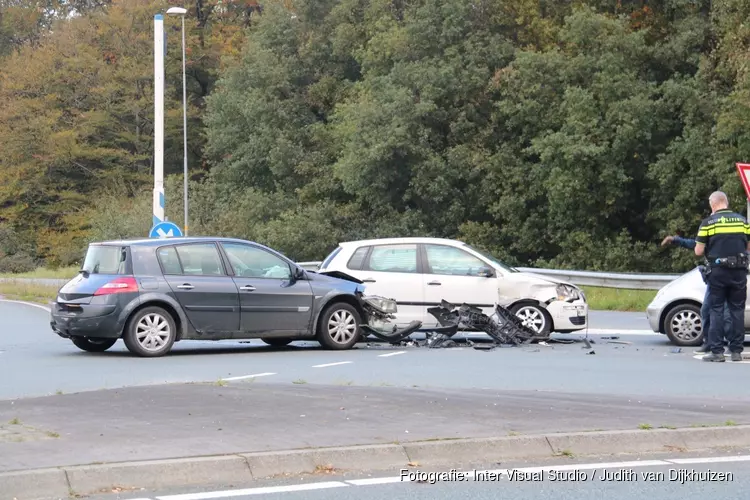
(165,230)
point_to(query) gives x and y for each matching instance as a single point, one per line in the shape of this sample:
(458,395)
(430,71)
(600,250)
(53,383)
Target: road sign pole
(159,49)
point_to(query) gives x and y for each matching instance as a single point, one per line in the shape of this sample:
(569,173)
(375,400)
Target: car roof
(153,242)
(396,241)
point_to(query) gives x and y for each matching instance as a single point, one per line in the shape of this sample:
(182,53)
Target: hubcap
(152,332)
(531,317)
(342,326)
(686,325)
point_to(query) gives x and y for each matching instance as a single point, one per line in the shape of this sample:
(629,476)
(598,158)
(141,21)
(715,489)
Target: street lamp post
(181,12)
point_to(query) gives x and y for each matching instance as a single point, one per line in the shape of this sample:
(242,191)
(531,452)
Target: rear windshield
(104,259)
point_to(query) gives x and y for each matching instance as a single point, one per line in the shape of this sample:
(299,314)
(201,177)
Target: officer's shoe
(736,356)
(715,358)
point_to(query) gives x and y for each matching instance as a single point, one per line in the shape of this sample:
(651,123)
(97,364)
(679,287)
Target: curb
(60,482)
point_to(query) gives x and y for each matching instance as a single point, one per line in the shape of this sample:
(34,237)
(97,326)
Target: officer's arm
(747,234)
(701,239)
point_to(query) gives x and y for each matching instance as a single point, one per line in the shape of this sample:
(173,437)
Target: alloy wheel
(531,317)
(152,332)
(686,325)
(342,326)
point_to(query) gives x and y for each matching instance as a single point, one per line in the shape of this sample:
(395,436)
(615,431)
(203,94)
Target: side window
(170,263)
(357,259)
(252,262)
(452,261)
(200,259)
(394,259)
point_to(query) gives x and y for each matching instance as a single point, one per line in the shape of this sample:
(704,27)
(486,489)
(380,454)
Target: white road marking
(398,479)
(332,364)
(375,480)
(249,376)
(610,331)
(391,354)
(254,491)
(39,306)
(727,356)
(714,460)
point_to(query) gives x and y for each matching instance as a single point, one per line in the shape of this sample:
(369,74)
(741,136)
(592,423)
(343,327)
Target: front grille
(577,320)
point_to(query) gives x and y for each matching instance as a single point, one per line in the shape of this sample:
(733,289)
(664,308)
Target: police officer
(723,240)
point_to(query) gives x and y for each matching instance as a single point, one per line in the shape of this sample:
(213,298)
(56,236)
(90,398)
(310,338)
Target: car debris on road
(504,328)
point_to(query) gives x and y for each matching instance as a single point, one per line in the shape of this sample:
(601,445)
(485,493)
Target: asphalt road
(659,477)
(39,363)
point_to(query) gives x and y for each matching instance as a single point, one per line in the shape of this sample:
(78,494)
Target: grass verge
(618,299)
(60,273)
(29,292)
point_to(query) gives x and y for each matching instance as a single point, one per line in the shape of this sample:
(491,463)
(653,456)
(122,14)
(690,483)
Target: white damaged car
(418,273)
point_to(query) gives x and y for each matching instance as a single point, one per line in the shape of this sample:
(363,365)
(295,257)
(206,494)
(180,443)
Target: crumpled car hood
(542,280)
(525,285)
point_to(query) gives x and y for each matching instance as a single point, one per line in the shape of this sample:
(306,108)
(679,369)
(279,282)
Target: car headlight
(567,292)
(386,306)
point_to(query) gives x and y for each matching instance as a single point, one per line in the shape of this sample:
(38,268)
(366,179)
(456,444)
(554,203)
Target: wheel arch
(533,302)
(179,318)
(334,299)
(668,309)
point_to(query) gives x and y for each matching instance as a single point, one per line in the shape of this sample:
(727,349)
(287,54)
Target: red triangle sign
(744,171)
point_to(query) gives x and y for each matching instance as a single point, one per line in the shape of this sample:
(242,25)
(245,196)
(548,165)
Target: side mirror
(298,273)
(486,272)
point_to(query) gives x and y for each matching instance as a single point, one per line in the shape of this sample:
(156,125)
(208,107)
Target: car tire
(533,316)
(276,342)
(683,325)
(145,319)
(339,327)
(90,344)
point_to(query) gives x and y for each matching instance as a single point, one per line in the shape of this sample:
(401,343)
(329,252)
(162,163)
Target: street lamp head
(177,10)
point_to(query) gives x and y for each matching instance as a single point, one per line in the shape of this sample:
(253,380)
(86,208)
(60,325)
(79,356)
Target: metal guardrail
(586,278)
(606,280)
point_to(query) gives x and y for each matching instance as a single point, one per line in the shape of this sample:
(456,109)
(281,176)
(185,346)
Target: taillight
(118,285)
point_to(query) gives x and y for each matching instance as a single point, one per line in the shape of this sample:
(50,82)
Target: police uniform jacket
(725,234)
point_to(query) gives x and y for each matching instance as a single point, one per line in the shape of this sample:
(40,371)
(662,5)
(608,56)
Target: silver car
(676,310)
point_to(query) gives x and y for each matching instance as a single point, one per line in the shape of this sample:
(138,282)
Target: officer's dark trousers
(706,319)
(727,287)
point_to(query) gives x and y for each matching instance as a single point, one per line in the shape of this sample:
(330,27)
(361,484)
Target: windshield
(103,259)
(489,257)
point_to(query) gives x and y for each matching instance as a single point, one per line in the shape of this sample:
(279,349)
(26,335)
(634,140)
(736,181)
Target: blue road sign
(165,230)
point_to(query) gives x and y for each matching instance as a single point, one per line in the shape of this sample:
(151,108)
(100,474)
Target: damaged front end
(502,326)
(380,313)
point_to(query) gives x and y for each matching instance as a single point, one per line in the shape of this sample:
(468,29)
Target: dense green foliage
(561,134)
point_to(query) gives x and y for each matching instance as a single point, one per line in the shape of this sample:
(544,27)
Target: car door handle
(185,286)
(368,280)
(248,288)
(434,283)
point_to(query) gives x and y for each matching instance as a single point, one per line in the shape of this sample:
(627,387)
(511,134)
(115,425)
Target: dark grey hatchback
(155,292)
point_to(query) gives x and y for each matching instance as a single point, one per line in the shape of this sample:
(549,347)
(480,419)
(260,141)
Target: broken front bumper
(379,313)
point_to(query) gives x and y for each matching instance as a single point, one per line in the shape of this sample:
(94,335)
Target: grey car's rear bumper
(89,320)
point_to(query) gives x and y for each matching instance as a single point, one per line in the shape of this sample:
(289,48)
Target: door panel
(208,295)
(392,271)
(453,275)
(271,301)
